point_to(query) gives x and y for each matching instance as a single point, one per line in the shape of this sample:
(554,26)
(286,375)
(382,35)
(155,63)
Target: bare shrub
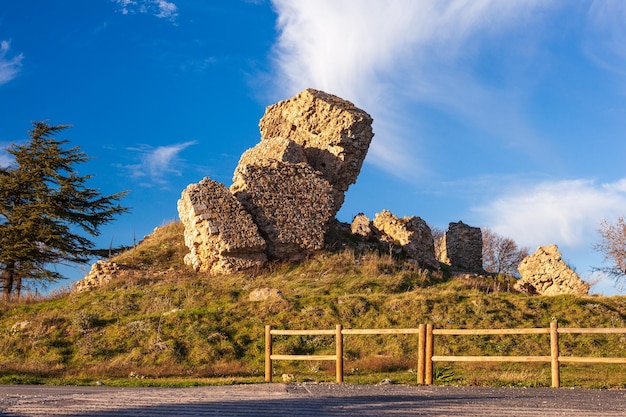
(501,255)
(613,246)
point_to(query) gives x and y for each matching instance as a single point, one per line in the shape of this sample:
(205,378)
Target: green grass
(160,324)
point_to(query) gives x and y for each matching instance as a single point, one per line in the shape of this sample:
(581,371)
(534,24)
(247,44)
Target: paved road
(308,400)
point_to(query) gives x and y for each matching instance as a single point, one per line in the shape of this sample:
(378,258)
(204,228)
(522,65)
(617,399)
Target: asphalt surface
(308,400)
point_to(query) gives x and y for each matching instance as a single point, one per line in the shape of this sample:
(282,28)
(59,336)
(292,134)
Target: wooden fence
(426,342)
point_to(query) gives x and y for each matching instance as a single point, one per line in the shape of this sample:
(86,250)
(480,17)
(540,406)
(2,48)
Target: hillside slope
(159,319)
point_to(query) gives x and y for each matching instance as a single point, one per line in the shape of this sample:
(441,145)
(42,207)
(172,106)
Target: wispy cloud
(9,67)
(606,34)
(162,9)
(156,164)
(389,57)
(564,212)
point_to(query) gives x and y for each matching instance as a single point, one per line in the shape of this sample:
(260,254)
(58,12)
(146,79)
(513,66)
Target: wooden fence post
(554,354)
(339,352)
(268,353)
(429,354)
(421,354)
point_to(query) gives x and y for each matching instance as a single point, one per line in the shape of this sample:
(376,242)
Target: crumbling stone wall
(545,273)
(290,203)
(100,274)
(219,233)
(411,233)
(461,247)
(334,133)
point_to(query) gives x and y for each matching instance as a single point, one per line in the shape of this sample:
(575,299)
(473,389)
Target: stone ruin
(285,191)
(219,232)
(545,273)
(334,134)
(290,203)
(461,247)
(412,234)
(101,273)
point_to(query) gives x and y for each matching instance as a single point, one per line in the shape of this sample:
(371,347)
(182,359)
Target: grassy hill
(160,323)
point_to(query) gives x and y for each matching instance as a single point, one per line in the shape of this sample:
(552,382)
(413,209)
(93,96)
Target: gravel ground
(308,400)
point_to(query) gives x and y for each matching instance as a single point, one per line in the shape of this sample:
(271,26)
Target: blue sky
(502,114)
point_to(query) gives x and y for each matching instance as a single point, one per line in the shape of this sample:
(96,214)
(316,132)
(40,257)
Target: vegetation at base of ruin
(158,323)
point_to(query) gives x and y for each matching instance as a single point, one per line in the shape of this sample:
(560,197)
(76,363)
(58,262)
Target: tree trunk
(18,287)
(8,278)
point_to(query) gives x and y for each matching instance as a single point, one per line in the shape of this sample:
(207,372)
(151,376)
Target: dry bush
(613,246)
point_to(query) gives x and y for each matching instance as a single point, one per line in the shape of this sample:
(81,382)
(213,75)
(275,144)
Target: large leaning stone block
(334,133)
(545,273)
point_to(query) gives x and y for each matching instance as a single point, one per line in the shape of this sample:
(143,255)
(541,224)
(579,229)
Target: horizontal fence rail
(426,342)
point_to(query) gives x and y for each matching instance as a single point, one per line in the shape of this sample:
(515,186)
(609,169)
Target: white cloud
(606,34)
(389,56)
(563,212)
(155,164)
(9,67)
(159,8)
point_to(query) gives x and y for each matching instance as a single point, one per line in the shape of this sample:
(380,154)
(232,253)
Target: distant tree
(437,233)
(613,246)
(46,209)
(501,255)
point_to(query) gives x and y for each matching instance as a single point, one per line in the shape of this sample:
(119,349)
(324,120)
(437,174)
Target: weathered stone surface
(220,234)
(363,226)
(279,149)
(461,247)
(334,133)
(262,294)
(412,234)
(545,273)
(101,273)
(290,203)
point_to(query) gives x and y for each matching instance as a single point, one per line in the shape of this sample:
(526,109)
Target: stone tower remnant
(461,247)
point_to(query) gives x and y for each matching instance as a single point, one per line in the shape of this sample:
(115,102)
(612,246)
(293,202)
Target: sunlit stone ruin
(287,190)
(545,273)
(461,247)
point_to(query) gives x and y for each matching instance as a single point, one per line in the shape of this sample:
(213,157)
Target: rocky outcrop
(461,247)
(412,234)
(219,232)
(290,203)
(101,273)
(545,273)
(334,133)
(362,226)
